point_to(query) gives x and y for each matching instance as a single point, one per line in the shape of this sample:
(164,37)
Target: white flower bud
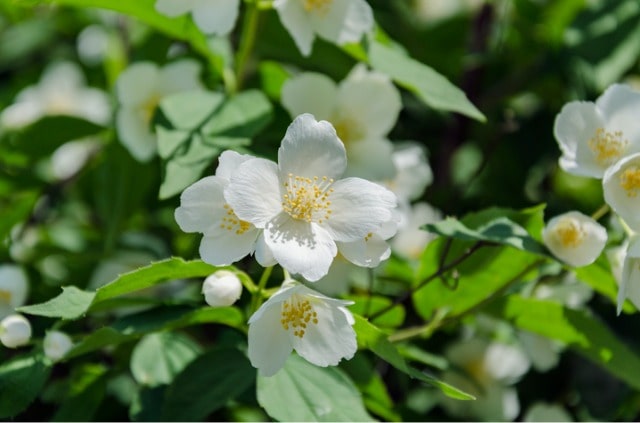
(56,345)
(15,331)
(223,288)
(575,238)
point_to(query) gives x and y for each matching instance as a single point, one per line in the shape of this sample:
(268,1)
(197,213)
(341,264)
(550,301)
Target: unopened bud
(15,331)
(56,345)
(222,288)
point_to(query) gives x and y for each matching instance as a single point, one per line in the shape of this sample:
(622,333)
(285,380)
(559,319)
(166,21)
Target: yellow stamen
(318,6)
(5,296)
(347,130)
(608,147)
(630,181)
(308,199)
(569,232)
(297,313)
(231,222)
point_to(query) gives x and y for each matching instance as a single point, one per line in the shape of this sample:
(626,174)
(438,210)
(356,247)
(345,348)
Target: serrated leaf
(579,329)
(159,357)
(21,380)
(372,338)
(427,84)
(190,109)
(207,384)
(301,391)
(72,303)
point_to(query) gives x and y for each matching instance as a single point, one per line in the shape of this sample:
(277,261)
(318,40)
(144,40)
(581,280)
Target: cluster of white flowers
(601,140)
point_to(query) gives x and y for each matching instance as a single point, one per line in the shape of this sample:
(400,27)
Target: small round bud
(222,288)
(15,331)
(56,345)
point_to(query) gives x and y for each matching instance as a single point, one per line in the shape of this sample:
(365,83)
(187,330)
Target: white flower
(575,238)
(629,285)
(70,157)
(621,185)
(223,288)
(204,209)
(593,136)
(56,345)
(62,90)
(302,204)
(296,317)
(338,21)
(14,287)
(413,173)
(140,88)
(211,16)
(410,241)
(15,331)
(545,412)
(363,108)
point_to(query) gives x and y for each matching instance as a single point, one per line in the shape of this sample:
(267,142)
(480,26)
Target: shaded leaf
(21,380)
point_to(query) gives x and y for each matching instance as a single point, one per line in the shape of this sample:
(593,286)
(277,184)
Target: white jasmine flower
(621,185)
(223,288)
(413,173)
(14,287)
(56,345)
(203,208)
(140,88)
(301,319)
(363,108)
(338,21)
(543,352)
(302,205)
(410,241)
(15,331)
(211,16)
(61,90)
(629,285)
(575,238)
(593,136)
(70,157)
(545,412)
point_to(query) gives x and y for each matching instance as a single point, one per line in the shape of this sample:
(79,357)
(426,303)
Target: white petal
(413,173)
(202,205)
(328,341)
(21,114)
(371,158)
(173,8)
(222,247)
(496,403)
(575,238)
(372,100)
(344,22)
(134,133)
(56,344)
(263,254)
(574,126)
(15,331)
(14,287)
(506,363)
(365,252)
(630,282)
(296,21)
(216,17)
(623,201)
(269,345)
(543,352)
(309,92)
(93,104)
(182,75)
(300,247)
(544,412)
(358,208)
(62,77)
(254,192)
(337,281)
(620,106)
(138,84)
(285,291)
(311,148)
(229,161)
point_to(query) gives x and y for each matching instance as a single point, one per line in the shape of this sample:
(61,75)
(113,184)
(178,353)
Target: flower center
(5,296)
(608,147)
(308,199)
(569,233)
(149,107)
(296,314)
(231,222)
(319,6)
(630,181)
(347,130)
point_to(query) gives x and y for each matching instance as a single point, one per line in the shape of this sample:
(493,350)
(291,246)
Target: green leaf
(392,318)
(581,330)
(241,116)
(190,109)
(85,393)
(272,77)
(370,337)
(159,357)
(301,391)
(21,380)
(98,339)
(427,84)
(207,384)
(599,277)
(71,304)
(16,209)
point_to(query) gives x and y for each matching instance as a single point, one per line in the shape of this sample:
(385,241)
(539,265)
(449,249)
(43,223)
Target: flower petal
(365,252)
(269,345)
(14,284)
(309,92)
(300,247)
(173,8)
(254,193)
(371,158)
(311,148)
(629,286)
(202,205)
(215,17)
(296,21)
(222,247)
(575,238)
(344,21)
(620,105)
(263,254)
(137,84)
(328,341)
(182,75)
(623,198)
(134,133)
(358,208)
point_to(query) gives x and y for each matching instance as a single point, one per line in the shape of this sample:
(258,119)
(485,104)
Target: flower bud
(223,288)
(15,331)
(56,345)
(14,287)
(575,238)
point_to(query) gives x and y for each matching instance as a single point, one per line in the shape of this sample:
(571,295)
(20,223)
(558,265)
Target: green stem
(604,209)
(247,40)
(257,297)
